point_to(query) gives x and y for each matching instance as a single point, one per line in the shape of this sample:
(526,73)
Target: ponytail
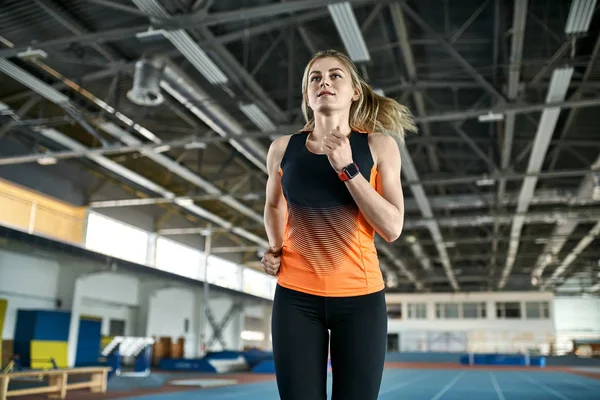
(375,113)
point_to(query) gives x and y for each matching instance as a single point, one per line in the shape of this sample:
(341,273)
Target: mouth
(324,93)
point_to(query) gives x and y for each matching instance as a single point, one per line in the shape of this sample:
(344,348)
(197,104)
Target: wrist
(275,249)
(349,172)
(339,171)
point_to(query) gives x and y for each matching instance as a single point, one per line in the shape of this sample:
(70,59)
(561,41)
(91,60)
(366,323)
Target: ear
(356,95)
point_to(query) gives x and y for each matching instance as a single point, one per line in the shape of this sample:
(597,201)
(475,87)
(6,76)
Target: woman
(330,188)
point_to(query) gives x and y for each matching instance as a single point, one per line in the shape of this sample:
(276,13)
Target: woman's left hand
(337,148)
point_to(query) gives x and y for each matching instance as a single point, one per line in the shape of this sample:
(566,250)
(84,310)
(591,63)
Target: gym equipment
(126,346)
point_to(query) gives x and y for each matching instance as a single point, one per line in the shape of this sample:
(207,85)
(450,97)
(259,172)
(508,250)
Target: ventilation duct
(190,95)
(146,85)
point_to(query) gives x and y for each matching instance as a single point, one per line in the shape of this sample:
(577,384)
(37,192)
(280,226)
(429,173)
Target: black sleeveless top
(310,180)
(328,245)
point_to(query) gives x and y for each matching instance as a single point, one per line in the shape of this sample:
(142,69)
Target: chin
(327,109)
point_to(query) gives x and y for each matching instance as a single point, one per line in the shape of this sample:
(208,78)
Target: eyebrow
(332,69)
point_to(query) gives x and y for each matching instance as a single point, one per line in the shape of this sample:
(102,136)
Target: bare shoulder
(382,146)
(281,142)
(277,150)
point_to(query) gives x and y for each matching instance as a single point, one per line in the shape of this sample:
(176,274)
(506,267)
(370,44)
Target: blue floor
(433,385)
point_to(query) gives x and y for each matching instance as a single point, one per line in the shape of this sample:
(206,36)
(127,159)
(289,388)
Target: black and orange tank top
(328,247)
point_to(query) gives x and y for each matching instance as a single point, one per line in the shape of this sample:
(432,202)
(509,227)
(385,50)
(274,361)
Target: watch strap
(346,174)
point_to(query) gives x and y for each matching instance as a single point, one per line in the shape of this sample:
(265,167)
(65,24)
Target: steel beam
(19,114)
(400,264)
(515,108)
(586,214)
(576,96)
(75,27)
(181,171)
(131,176)
(487,86)
(466,220)
(410,173)
(563,230)
(179,22)
(514,73)
(548,120)
(446,202)
(411,70)
(238,73)
(117,6)
(568,260)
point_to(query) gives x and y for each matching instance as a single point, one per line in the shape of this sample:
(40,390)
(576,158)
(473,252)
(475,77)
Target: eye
(314,78)
(336,75)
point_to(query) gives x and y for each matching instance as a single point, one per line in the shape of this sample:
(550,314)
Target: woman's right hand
(271,261)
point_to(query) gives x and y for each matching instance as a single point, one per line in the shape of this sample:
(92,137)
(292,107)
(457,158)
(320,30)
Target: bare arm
(383,208)
(274,213)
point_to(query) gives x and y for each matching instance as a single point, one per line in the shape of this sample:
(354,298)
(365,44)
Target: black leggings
(300,325)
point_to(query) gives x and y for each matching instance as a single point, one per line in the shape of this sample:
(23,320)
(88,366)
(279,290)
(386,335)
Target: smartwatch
(349,172)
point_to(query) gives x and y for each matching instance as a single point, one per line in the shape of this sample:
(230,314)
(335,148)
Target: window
(537,310)
(394,311)
(224,273)
(116,327)
(111,237)
(446,310)
(179,259)
(508,310)
(474,310)
(417,311)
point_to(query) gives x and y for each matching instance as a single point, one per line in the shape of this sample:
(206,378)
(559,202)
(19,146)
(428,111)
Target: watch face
(352,170)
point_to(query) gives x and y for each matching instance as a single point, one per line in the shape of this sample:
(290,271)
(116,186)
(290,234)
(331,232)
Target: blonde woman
(331,186)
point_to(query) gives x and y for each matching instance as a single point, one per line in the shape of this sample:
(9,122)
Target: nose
(325,82)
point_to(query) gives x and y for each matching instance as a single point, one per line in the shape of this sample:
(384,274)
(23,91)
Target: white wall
(577,314)
(27,282)
(576,318)
(484,335)
(167,311)
(109,296)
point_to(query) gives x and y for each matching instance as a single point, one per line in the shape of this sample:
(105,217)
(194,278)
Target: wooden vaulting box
(34,212)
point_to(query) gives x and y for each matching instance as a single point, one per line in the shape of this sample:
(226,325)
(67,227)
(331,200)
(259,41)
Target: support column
(196,328)
(205,307)
(74,325)
(267,309)
(145,292)
(151,253)
(236,327)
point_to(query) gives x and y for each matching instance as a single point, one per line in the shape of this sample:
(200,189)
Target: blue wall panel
(52,326)
(24,328)
(88,343)
(25,325)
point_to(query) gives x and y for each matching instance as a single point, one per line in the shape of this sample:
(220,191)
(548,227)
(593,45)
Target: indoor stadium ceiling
(501,183)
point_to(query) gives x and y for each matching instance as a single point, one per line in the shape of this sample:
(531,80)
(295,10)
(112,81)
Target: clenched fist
(271,261)
(337,148)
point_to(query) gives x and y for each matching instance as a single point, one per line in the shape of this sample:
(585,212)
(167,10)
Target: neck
(326,123)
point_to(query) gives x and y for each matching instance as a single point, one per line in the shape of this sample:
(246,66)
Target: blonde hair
(371,112)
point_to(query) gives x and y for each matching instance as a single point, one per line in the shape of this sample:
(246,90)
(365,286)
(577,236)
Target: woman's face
(330,87)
